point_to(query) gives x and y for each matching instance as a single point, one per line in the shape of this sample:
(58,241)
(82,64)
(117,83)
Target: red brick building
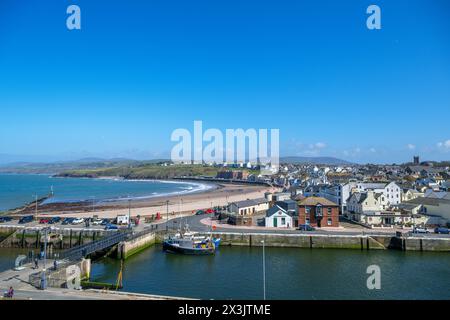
(318,212)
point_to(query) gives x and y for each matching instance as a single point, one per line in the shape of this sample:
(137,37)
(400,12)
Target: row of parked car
(438,230)
(108,223)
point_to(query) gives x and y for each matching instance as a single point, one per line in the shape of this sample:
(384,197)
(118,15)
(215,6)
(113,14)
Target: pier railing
(86,249)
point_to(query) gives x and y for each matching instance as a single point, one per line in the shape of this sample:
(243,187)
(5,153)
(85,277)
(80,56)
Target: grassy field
(148,171)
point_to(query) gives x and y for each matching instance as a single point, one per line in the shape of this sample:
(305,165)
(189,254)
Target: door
(275,222)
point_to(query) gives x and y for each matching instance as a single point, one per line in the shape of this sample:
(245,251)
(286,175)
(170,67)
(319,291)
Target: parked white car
(97,222)
(420,230)
(77,220)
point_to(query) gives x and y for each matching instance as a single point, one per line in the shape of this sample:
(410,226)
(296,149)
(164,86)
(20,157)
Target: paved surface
(195,224)
(66,294)
(25,291)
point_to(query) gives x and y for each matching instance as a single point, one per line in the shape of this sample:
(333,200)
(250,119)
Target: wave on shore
(186,187)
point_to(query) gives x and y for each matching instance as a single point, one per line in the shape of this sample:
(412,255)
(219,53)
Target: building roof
(299,197)
(314,201)
(408,206)
(428,201)
(276,208)
(250,202)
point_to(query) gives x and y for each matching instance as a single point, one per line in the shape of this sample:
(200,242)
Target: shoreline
(216,194)
(45,203)
(199,187)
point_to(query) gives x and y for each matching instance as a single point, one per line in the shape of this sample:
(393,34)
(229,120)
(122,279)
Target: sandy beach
(187,203)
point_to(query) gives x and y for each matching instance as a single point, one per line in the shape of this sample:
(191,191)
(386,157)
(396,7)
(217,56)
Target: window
(319,211)
(307,210)
(307,221)
(329,222)
(283,221)
(329,210)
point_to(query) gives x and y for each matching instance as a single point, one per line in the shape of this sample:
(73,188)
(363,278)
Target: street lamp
(93,204)
(129,212)
(264,270)
(36,209)
(167,215)
(44,279)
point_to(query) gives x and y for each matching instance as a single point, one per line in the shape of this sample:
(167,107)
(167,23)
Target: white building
(364,202)
(249,207)
(277,217)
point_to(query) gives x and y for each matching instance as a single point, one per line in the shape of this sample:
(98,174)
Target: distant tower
(416,160)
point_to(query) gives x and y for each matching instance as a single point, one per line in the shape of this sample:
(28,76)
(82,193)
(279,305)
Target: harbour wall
(321,241)
(33,238)
(16,237)
(127,248)
(64,274)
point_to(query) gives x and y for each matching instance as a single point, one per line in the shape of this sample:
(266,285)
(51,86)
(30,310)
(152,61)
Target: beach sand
(186,203)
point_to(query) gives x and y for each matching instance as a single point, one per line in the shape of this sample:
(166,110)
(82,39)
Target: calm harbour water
(19,189)
(236,273)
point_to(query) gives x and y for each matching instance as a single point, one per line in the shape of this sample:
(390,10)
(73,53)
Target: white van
(121,220)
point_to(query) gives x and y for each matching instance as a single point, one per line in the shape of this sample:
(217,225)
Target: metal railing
(86,249)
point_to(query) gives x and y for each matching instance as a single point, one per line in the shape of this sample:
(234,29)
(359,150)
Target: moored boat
(187,242)
(188,246)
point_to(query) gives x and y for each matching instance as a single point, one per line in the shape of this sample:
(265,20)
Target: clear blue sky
(137,70)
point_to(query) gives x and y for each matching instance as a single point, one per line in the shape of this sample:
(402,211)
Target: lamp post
(264,269)
(129,212)
(36,208)
(167,215)
(93,204)
(44,279)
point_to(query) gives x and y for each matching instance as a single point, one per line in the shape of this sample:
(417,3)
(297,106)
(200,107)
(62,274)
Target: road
(195,225)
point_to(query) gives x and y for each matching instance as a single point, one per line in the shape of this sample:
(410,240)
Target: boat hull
(168,247)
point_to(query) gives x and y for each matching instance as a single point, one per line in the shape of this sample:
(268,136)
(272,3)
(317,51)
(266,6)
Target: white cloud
(410,146)
(444,145)
(320,145)
(373,150)
(309,150)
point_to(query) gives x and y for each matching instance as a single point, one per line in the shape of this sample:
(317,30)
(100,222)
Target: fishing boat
(188,246)
(187,242)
